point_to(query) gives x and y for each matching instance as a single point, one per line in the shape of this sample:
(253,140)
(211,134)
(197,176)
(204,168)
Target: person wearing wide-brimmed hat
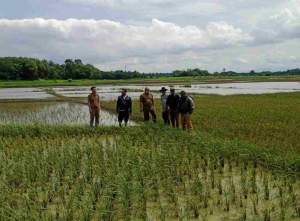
(147,105)
(172,103)
(186,107)
(164,106)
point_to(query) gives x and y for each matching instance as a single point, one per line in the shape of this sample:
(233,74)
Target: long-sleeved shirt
(124,104)
(147,102)
(172,101)
(164,105)
(94,101)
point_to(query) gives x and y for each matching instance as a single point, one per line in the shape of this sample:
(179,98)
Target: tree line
(23,68)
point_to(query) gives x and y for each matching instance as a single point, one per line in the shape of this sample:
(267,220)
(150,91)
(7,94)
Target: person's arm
(118,105)
(153,102)
(141,103)
(130,106)
(192,105)
(89,103)
(98,97)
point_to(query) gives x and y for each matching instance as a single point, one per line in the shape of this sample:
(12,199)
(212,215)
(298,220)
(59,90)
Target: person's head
(124,92)
(147,90)
(172,90)
(183,93)
(163,90)
(94,90)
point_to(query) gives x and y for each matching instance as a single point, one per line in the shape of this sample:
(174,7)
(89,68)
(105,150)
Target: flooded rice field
(110,92)
(50,113)
(23,93)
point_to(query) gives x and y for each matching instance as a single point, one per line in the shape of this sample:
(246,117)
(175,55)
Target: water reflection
(50,113)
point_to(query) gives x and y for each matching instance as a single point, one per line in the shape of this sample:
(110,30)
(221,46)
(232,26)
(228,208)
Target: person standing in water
(147,105)
(94,107)
(124,107)
(164,107)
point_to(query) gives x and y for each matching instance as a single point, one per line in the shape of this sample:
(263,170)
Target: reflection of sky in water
(111,92)
(23,93)
(54,113)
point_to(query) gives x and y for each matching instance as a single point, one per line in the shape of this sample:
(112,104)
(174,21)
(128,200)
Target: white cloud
(100,41)
(211,34)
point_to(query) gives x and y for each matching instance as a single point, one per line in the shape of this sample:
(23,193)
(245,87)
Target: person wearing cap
(94,107)
(164,107)
(186,107)
(172,103)
(124,107)
(147,105)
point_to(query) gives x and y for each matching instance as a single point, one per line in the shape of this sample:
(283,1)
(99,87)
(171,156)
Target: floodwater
(50,113)
(23,93)
(110,92)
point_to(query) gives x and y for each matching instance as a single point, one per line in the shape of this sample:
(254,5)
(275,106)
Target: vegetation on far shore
(157,80)
(23,68)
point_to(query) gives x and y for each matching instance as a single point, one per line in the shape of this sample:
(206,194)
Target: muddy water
(50,113)
(23,93)
(110,92)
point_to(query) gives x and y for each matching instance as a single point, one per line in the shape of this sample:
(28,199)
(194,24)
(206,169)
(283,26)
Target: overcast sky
(155,35)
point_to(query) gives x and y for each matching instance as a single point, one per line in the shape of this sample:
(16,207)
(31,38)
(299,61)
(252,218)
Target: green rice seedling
(162,212)
(212,177)
(266,188)
(227,202)
(267,215)
(253,181)
(220,186)
(232,190)
(244,185)
(197,188)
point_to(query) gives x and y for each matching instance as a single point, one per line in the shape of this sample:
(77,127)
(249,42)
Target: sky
(155,35)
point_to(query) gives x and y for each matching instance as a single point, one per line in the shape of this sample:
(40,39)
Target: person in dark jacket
(124,107)
(186,107)
(172,103)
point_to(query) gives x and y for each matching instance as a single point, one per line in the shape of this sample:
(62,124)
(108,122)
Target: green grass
(174,80)
(270,120)
(241,162)
(142,173)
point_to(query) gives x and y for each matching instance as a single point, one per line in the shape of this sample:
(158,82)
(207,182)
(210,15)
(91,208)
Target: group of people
(174,107)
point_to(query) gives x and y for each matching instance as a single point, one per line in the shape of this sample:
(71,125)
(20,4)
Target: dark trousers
(165,116)
(174,117)
(147,115)
(123,115)
(94,116)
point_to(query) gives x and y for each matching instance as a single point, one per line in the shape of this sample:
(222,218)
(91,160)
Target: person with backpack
(147,105)
(172,104)
(94,107)
(124,107)
(186,107)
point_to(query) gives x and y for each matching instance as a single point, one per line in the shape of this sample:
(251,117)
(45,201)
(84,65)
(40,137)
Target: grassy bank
(169,80)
